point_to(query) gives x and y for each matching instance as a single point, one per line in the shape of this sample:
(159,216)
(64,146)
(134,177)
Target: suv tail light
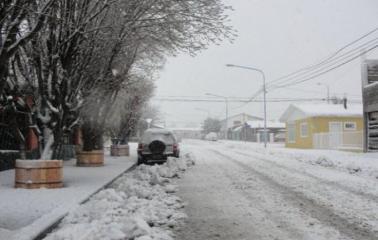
(175,147)
(140,147)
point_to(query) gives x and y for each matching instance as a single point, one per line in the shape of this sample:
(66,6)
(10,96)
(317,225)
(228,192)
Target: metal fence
(338,140)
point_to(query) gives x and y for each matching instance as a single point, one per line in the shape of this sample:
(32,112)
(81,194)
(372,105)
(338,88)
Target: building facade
(324,126)
(370,100)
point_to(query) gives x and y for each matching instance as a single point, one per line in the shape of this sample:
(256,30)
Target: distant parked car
(156,145)
(213,136)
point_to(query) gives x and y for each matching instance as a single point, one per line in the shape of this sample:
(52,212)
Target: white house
(238,120)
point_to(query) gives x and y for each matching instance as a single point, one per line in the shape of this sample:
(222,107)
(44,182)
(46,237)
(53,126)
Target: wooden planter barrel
(32,174)
(120,150)
(90,158)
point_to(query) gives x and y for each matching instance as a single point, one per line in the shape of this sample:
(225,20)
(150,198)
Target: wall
(318,125)
(301,142)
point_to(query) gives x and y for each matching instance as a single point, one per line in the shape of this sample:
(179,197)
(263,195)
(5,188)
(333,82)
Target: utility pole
(328,93)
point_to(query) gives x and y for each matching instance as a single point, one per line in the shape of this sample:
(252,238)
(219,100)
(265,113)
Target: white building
(238,120)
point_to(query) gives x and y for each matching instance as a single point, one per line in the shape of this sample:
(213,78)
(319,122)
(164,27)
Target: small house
(253,131)
(324,126)
(236,121)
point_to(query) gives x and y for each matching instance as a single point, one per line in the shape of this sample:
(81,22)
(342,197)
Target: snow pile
(361,164)
(139,205)
(323,161)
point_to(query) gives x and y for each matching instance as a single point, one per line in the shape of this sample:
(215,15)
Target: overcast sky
(278,36)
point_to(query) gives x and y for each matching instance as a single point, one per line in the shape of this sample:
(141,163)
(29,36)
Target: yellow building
(324,126)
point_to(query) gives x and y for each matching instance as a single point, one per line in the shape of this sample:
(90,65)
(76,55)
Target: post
(226,130)
(328,92)
(265,132)
(328,97)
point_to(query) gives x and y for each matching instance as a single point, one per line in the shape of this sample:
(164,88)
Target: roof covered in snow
(269,124)
(301,111)
(158,130)
(186,129)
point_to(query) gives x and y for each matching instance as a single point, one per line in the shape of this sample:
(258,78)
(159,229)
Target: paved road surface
(239,194)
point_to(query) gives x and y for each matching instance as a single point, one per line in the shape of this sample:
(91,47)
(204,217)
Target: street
(235,192)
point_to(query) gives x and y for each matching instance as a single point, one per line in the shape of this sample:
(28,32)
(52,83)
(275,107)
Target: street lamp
(327,86)
(264,89)
(226,121)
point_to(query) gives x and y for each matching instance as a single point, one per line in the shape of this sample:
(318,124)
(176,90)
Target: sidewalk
(26,213)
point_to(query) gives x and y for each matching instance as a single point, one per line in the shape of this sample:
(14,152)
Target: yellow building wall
(318,125)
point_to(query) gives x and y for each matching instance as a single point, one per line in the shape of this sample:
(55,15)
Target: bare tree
(78,58)
(145,30)
(20,20)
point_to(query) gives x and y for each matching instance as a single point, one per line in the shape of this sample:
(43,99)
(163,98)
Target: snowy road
(241,192)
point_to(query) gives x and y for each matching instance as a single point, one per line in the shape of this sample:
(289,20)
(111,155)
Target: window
(304,130)
(291,132)
(350,126)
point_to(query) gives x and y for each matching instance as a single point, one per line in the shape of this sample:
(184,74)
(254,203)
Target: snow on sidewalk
(140,205)
(25,213)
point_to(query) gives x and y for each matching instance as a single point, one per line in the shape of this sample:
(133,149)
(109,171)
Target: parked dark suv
(156,145)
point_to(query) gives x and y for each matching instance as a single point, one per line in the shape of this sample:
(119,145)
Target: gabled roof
(301,111)
(186,129)
(245,114)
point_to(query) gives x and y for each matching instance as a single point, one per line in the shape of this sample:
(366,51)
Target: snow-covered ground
(24,213)
(140,205)
(356,163)
(243,191)
(237,191)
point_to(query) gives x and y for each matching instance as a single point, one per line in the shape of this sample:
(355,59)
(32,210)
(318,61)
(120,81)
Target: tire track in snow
(278,220)
(309,206)
(265,212)
(369,196)
(210,215)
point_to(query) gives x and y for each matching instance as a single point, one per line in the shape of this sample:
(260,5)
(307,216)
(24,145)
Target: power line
(349,55)
(320,92)
(331,57)
(239,100)
(320,73)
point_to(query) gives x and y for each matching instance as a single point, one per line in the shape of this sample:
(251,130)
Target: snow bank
(362,164)
(139,205)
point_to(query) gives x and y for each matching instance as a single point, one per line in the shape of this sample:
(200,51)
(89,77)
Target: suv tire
(141,160)
(157,147)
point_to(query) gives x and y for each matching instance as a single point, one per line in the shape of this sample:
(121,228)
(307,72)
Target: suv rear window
(164,137)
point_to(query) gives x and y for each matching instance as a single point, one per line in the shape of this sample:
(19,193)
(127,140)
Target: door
(335,134)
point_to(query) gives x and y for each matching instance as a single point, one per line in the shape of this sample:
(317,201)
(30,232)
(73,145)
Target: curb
(55,224)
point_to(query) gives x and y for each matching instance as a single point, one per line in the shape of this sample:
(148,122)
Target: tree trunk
(92,136)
